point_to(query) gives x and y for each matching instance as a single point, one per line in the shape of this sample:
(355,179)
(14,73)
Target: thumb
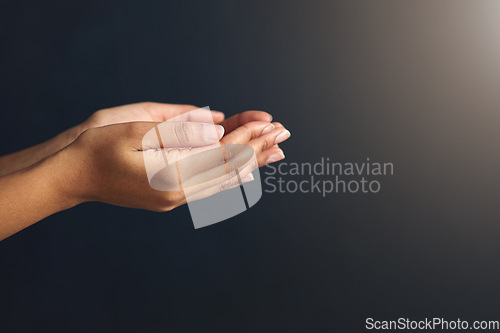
(188,134)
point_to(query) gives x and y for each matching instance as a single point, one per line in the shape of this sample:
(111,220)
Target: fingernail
(268,128)
(275,158)
(212,132)
(282,136)
(270,117)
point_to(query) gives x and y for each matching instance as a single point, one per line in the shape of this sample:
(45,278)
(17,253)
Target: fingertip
(212,132)
(220,131)
(284,135)
(269,116)
(256,115)
(268,129)
(276,156)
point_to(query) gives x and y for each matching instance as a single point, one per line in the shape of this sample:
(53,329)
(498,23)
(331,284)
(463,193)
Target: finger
(270,155)
(277,124)
(215,189)
(266,142)
(205,193)
(217,116)
(200,115)
(260,136)
(163,112)
(244,177)
(231,123)
(212,167)
(247,132)
(221,183)
(182,135)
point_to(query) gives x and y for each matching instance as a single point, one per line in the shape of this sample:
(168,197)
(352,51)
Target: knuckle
(249,129)
(249,126)
(265,145)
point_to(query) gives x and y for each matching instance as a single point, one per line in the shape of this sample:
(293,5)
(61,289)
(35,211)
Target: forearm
(24,158)
(34,193)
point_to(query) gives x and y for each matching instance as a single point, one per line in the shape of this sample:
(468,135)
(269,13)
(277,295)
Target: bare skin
(101,160)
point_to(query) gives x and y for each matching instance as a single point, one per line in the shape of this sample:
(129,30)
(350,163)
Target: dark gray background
(415,83)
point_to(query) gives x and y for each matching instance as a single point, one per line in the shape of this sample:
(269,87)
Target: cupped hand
(108,161)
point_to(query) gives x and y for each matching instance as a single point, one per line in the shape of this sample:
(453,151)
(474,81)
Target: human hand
(107,162)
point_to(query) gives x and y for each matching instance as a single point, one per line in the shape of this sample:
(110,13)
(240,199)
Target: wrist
(34,193)
(63,176)
(30,156)
(67,137)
